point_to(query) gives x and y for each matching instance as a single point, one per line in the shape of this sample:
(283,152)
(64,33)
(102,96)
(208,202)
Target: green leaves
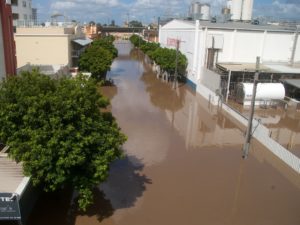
(164,57)
(56,129)
(98,58)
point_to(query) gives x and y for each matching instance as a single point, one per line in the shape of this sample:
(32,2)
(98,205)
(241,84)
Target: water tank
(264,92)
(195,10)
(205,12)
(247,10)
(236,10)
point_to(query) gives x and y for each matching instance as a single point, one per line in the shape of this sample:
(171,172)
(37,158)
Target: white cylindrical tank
(205,12)
(247,10)
(264,92)
(195,10)
(236,10)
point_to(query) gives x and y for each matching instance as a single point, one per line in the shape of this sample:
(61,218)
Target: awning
(83,42)
(293,82)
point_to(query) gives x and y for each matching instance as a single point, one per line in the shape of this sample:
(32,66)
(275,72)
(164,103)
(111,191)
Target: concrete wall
(243,46)
(187,44)
(2,59)
(46,50)
(21,10)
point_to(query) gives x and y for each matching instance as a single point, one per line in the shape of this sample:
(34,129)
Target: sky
(147,11)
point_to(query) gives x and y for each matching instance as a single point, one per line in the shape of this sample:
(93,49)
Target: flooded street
(183,163)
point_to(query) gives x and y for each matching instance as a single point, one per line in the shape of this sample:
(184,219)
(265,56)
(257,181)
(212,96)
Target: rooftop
(264,67)
(239,26)
(12,179)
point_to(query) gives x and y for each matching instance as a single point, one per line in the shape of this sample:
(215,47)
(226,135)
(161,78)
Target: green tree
(96,60)
(135,23)
(107,43)
(56,128)
(166,58)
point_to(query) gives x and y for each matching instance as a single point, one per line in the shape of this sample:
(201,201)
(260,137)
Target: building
(91,31)
(53,44)
(7,44)
(221,53)
(22,12)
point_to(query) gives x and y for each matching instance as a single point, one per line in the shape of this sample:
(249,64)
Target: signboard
(9,207)
(172,42)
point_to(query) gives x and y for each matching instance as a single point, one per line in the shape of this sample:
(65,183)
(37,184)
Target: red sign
(172,42)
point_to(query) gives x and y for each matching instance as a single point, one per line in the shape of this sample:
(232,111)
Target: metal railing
(35,23)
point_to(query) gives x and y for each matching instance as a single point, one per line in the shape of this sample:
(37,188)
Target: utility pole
(176,64)
(249,128)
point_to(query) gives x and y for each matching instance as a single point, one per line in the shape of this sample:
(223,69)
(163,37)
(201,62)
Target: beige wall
(2,60)
(43,49)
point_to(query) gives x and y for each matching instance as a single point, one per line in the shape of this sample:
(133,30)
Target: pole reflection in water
(183,163)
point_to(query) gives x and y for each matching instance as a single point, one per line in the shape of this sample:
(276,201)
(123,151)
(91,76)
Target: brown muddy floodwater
(183,164)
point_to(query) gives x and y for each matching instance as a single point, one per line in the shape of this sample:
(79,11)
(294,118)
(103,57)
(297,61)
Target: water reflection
(184,163)
(283,124)
(126,183)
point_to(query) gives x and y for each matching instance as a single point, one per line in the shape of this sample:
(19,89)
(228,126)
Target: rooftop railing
(34,23)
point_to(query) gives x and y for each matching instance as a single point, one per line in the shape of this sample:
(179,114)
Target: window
(15,16)
(25,17)
(24,3)
(14,2)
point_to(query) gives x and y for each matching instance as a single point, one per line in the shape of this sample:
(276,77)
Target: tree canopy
(135,23)
(164,57)
(98,57)
(56,128)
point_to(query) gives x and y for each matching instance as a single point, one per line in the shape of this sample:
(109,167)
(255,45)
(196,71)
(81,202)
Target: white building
(22,11)
(233,47)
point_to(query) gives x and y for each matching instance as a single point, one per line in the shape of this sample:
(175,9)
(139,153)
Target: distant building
(7,44)
(22,12)
(91,31)
(54,44)
(216,50)
(34,15)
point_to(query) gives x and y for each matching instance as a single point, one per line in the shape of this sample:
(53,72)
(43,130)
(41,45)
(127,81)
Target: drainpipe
(228,85)
(294,47)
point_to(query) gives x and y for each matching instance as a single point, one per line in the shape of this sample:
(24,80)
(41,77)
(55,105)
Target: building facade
(54,44)
(209,46)
(7,44)
(22,12)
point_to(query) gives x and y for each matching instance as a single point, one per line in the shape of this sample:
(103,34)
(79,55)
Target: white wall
(187,44)
(2,59)
(245,46)
(278,47)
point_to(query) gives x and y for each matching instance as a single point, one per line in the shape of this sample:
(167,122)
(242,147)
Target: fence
(262,134)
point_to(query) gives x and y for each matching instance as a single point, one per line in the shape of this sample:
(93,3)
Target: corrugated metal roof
(83,42)
(245,26)
(239,26)
(283,68)
(267,68)
(292,82)
(11,174)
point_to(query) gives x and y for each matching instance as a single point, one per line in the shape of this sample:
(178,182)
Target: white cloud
(149,10)
(279,9)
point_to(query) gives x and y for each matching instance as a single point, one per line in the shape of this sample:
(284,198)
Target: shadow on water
(121,190)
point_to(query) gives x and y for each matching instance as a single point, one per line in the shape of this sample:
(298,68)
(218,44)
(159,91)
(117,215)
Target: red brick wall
(8,38)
